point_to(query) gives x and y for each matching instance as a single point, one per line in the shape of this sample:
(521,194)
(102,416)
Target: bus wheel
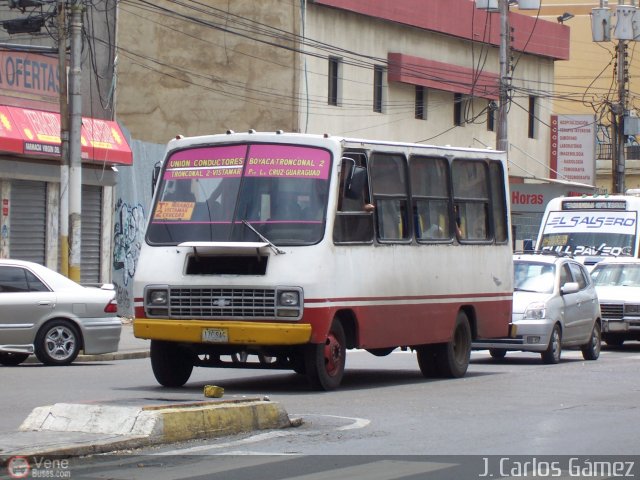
(324,362)
(497,353)
(427,360)
(453,357)
(172,364)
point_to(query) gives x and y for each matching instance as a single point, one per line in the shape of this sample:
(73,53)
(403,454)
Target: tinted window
(35,285)
(13,279)
(579,275)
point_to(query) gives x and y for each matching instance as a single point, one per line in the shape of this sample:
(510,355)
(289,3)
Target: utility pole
(626,30)
(502,134)
(620,111)
(64,139)
(75,145)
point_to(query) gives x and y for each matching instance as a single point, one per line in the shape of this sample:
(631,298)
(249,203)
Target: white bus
(591,227)
(282,251)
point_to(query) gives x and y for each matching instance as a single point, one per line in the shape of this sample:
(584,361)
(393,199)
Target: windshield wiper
(263,238)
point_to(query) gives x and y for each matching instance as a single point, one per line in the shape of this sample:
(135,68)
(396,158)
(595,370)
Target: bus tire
(171,364)
(452,358)
(497,353)
(325,362)
(427,360)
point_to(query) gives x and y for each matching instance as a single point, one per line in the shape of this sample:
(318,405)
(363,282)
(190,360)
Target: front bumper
(237,333)
(621,326)
(526,335)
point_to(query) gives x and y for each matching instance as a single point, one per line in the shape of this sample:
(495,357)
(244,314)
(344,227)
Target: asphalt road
(385,407)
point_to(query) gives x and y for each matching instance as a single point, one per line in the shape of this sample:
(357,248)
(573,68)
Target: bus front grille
(210,303)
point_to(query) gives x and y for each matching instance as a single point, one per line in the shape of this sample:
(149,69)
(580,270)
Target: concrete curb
(82,429)
(104,357)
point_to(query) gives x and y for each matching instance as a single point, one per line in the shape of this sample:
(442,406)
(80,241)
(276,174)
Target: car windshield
(210,194)
(616,275)
(534,277)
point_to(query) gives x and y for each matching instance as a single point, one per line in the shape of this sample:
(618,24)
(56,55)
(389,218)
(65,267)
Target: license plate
(215,335)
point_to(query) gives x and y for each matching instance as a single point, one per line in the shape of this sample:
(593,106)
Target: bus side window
(354,221)
(430,198)
(390,193)
(471,196)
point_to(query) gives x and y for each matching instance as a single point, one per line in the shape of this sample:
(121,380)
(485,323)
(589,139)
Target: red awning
(37,132)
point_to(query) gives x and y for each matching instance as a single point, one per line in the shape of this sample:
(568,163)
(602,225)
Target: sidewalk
(84,429)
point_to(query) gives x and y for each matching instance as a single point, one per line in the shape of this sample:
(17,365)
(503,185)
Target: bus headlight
(157,301)
(157,297)
(289,299)
(289,303)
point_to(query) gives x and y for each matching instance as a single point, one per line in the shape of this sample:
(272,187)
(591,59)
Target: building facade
(423,71)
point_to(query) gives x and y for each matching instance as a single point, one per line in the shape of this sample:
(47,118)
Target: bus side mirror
(154,177)
(356,182)
(527,245)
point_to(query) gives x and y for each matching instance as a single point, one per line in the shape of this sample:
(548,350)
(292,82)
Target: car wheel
(552,354)
(325,362)
(57,343)
(591,350)
(171,363)
(613,339)
(11,359)
(497,353)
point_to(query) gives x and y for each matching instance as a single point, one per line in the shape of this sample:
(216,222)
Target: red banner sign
(37,132)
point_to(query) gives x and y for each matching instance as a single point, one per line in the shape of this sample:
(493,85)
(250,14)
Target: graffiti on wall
(128,236)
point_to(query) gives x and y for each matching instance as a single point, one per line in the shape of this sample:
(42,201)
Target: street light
(564,17)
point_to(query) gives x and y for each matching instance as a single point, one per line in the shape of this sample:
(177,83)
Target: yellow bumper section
(227,332)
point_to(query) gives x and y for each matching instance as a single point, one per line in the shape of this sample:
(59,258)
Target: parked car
(44,312)
(555,305)
(617,282)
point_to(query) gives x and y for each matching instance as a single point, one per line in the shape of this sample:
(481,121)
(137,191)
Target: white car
(46,313)
(617,282)
(555,305)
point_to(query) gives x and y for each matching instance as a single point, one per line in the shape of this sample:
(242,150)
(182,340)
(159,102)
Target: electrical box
(601,24)
(624,23)
(631,125)
(529,4)
(487,4)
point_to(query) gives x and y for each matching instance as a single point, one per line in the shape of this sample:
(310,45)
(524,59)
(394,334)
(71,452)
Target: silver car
(617,282)
(46,313)
(555,305)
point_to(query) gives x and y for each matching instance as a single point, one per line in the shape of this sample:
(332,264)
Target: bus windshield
(206,194)
(590,233)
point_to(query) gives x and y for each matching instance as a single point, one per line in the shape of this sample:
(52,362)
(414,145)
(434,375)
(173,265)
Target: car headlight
(289,299)
(535,311)
(632,309)
(157,298)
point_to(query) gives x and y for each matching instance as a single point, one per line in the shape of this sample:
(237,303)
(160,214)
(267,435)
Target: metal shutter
(91,232)
(28,231)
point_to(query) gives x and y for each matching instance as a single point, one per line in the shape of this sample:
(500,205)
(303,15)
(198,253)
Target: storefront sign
(573,143)
(37,132)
